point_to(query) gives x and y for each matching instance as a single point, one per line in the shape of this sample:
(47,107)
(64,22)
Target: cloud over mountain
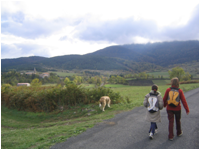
(124,31)
(67,28)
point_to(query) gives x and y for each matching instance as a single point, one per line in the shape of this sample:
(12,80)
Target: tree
(143,75)
(77,79)
(98,82)
(186,77)
(67,80)
(36,82)
(176,72)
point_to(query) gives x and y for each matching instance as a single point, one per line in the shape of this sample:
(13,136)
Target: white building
(43,75)
(23,84)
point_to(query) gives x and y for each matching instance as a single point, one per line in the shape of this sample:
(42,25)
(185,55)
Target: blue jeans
(153,127)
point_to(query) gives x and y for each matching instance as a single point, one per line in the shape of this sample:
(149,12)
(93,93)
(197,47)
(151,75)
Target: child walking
(174,108)
(154,103)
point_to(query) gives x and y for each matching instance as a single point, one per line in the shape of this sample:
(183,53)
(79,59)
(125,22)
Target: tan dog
(103,101)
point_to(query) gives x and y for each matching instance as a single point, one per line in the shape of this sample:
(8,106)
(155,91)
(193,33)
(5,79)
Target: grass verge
(28,130)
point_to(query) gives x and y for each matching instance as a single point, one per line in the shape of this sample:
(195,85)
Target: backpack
(173,97)
(153,103)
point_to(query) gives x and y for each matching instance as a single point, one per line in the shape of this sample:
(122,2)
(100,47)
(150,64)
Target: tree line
(13,77)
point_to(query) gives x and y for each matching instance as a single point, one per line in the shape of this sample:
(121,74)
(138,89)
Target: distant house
(29,73)
(23,84)
(43,75)
(32,72)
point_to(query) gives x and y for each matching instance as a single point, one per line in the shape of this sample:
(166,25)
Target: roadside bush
(48,99)
(96,93)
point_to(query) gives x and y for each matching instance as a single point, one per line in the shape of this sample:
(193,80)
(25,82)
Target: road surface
(129,130)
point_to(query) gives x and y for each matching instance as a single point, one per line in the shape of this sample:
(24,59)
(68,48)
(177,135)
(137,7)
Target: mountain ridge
(130,57)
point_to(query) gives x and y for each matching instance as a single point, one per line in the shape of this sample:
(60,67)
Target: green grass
(161,82)
(116,85)
(88,85)
(28,130)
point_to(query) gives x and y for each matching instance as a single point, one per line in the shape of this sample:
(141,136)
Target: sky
(64,27)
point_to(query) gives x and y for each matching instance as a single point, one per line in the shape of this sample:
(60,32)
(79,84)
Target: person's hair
(154,88)
(175,82)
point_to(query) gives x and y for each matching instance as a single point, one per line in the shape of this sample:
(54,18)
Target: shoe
(156,130)
(151,135)
(181,134)
(171,139)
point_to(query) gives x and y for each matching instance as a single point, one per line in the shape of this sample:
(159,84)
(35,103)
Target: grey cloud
(17,25)
(190,31)
(119,31)
(20,50)
(63,38)
(122,31)
(18,17)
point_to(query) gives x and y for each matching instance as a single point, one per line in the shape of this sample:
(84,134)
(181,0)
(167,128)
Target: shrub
(47,99)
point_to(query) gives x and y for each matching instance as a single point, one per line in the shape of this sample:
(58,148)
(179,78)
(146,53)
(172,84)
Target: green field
(64,74)
(88,85)
(161,82)
(116,85)
(156,74)
(28,130)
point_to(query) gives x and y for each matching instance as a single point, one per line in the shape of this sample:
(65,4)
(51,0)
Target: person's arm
(145,102)
(160,102)
(166,97)
(184,102)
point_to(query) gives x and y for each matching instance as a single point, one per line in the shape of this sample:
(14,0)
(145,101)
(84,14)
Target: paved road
(129,130)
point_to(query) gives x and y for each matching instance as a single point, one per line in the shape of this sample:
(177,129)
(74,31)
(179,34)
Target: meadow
(29,130)
(165,74)
(64,74)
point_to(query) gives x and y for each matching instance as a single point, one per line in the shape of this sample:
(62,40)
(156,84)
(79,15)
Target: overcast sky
(62,27)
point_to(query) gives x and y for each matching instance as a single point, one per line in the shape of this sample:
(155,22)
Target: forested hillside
(133,57)
(22,63)
(167,53)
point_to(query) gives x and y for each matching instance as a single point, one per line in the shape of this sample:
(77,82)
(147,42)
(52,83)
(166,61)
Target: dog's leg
(108,102)
(101,105)
(104,105)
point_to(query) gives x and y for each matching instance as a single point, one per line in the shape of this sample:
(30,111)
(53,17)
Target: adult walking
(172,98)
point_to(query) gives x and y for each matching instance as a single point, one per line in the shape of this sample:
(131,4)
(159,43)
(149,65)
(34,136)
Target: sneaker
(181,133)
(156,130)
(151,135)
(171,139)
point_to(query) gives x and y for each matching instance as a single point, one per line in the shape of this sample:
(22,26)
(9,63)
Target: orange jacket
(177,108)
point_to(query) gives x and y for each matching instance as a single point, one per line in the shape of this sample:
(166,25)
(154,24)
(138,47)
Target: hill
(22,63)
(132,57)
(167,53)
(117,52)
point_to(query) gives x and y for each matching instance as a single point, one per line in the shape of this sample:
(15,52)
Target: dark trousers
(171,115)
(153,127)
